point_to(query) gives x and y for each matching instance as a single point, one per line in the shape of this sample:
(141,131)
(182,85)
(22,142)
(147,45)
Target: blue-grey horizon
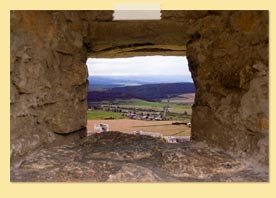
(142,65)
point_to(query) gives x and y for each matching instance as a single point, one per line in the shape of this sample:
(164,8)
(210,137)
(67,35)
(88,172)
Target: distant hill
(99,83)
(147,92)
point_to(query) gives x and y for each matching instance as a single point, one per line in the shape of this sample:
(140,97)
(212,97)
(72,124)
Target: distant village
(134,113)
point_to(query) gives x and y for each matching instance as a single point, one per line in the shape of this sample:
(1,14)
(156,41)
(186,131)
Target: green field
(176,111)
(178,117)
(101,115)
(158,106)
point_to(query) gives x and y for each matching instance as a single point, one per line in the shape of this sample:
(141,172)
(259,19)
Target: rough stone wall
(227,53)
(228,59)
(165,37)
(48,77)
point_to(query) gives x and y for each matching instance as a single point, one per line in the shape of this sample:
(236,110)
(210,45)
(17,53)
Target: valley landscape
(148,104)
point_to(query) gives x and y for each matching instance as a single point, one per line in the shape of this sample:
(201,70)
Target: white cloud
(144,65)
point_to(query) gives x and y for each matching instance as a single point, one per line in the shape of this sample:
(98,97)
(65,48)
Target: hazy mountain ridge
(146,92)
(97,83)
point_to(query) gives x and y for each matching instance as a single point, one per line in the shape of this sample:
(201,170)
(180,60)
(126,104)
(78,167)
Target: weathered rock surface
(228,59)
(48,79)
(119,157)
(227,53)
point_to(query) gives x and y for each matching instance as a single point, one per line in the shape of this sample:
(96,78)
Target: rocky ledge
(119,157)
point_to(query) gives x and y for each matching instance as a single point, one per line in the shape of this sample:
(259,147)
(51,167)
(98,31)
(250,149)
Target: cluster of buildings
(132,113)
(145,116)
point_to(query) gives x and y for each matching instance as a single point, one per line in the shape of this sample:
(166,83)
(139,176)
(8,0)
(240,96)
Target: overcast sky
(143,65)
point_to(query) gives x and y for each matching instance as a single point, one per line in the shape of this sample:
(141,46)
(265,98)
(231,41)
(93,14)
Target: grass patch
(178,117)
(100,115)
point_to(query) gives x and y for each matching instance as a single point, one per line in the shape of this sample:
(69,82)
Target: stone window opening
(230,121)
(116,104)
